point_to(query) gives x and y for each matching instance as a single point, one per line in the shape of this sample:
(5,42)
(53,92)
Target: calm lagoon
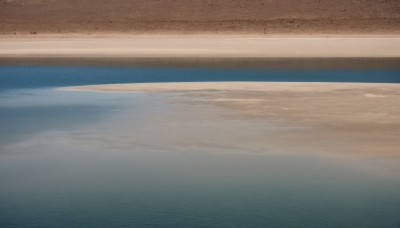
(111,159)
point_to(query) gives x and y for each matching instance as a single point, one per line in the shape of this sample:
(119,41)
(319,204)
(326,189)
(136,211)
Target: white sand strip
(199,46)
(234,86)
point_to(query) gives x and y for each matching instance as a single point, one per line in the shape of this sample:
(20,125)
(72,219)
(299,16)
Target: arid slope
(192,16)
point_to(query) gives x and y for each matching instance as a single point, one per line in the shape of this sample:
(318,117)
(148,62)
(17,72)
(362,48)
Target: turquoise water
(97,159)
(12,77)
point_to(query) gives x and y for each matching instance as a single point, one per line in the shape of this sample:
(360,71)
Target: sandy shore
(235,86)
(338,117)
(200,46)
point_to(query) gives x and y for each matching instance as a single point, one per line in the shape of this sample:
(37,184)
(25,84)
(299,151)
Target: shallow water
(98,159)
(13,77)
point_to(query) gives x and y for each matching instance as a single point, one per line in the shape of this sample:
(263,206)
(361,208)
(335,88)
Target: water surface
(98,159)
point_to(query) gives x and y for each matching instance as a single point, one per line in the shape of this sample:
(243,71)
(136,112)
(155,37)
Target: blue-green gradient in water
(92,159)
(51,76)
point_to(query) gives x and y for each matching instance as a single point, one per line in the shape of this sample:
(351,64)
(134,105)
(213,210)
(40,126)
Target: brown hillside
(264,16)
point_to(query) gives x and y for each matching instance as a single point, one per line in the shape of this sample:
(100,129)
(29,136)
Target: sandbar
(339,117)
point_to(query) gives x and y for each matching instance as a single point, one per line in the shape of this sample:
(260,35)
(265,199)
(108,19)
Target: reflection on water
(93,159)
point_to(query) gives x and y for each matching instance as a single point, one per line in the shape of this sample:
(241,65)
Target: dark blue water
(52,76)
(96,159)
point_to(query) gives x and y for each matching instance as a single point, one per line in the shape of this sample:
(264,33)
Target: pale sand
(235,86)
(200,46)
(338,117)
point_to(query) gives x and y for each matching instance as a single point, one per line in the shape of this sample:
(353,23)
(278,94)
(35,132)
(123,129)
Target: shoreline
(230,86)
(192,46)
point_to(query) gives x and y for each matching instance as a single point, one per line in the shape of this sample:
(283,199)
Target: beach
(201,46)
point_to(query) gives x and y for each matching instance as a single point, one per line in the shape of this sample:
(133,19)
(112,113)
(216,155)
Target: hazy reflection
(93,159)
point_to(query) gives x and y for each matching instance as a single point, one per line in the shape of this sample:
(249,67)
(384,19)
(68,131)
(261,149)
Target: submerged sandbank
(233,86)
(339,117)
